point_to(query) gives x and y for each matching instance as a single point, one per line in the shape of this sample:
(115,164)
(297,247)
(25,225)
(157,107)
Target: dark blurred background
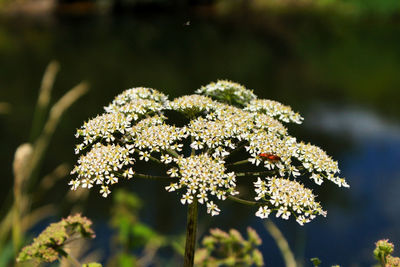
(336,62)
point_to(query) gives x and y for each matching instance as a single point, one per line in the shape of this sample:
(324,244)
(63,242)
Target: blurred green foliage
(23,207)
(343,7)
(134,243)
(229,249)
(132,233)
(137,244)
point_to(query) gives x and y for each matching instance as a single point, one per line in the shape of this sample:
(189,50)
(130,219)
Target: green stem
(154,177)
(256,173)
(43,100)
(16,227)
(191,229)
(238,162)
(155,160)
(193,152)
(73,260)
(245,202)
(282,243)
(172,153)
(383,260)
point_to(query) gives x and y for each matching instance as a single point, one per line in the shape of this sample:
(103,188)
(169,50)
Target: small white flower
(317,178)
(179,147)
(172,187)
(173,172)
(99,179)
(186,198)
(293,171)
(111,179)
(131,148)
(78,148)
(104,191)
(166,159)
(144,155)
(212,208)
(302,220)
(74,184)
(263,212)
(202,197)
(128,173)
(197,145)
(87,183)
(221,195)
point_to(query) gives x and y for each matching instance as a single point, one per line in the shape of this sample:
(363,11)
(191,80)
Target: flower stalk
(191,231)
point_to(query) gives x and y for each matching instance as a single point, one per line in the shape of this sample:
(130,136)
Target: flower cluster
(287,197)
(101,165)
(225,119)
(317,162)
(275,110)
(222,129)
(202,176)
(155,135)
(137,101)
(283,148)
(227,91)
(104,126)
(191,104)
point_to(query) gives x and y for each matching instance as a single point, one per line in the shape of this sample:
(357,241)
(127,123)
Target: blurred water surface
(342,74)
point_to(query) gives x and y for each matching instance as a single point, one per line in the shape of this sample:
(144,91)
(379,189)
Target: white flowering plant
(201,157)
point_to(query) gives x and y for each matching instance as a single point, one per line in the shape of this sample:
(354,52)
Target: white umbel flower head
(224,127)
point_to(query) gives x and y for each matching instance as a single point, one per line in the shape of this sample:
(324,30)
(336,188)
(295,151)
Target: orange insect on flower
(269,156)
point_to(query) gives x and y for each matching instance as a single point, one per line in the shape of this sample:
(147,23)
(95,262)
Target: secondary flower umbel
(200,155)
